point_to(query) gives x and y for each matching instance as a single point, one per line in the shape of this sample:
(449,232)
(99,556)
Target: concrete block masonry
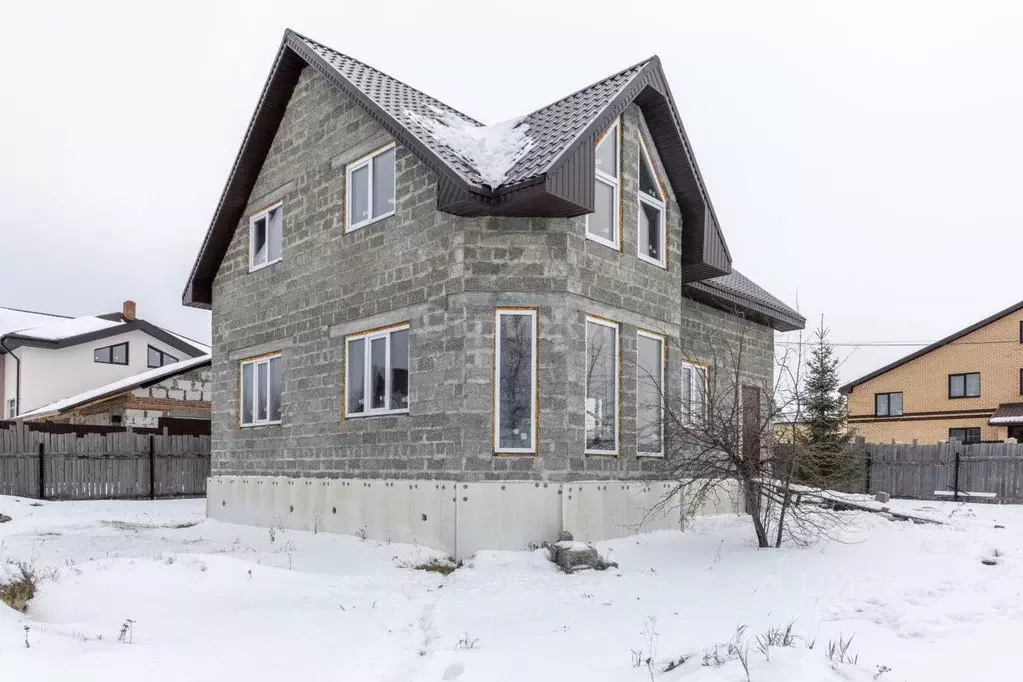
(455,517)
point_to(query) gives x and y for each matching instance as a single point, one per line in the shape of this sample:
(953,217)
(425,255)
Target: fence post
(152,469)
(870,464)
(42,471)
(955,480)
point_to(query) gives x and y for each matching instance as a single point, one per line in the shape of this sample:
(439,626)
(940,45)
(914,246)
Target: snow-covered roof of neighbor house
(18,327)
(66,329)
(1007,413)
(13,319)
(117,387)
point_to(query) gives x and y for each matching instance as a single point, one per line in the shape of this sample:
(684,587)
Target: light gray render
(444,275)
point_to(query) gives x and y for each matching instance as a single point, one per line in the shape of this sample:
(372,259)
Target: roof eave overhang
(741,306)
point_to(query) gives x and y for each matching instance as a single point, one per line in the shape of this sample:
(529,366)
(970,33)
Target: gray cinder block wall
(444,275)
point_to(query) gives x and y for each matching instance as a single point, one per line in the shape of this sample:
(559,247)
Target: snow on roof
(492,151)
(64,329)
(116,387)
(12,319)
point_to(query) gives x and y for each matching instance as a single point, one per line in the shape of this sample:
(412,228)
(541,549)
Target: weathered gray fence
(991,471)
(83,466)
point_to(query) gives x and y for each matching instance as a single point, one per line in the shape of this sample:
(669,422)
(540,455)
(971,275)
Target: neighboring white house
(44,358)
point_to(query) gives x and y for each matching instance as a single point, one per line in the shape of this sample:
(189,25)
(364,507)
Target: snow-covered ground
(212,601)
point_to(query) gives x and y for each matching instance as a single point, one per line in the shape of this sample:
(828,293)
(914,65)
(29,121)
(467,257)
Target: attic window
(651,243)
(111,355)
(602,224)
(369,192)
(266,237)
(157,358)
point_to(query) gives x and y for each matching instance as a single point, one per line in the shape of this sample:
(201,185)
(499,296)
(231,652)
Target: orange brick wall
(994,350)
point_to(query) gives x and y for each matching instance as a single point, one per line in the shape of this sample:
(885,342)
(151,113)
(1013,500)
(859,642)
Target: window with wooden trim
(602,225)
(651,243)
(967,435)
(377,372)
(515,380)
(116,354)
(1021,382)
(649,394)
(260,391)
(370,188)
(694,393)
(601,386)
(157,358)
(888,404)
(266,237)
(964,385)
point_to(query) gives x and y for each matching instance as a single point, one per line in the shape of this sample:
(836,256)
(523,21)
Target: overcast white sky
(865,158)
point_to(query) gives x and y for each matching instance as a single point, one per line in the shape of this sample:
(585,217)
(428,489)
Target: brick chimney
(128,310)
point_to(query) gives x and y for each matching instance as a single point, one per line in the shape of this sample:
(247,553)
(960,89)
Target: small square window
(964,385)
(888,404)
(370,188)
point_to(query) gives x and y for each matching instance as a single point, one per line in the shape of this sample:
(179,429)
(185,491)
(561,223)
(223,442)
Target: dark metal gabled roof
(551,177)
(556,126)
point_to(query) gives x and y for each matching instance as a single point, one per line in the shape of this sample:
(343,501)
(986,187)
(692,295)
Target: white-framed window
(260,391)
(515,380)
(377,372)
(602,225)
(370,188)
(649,394)
(694,393)
(12,408)
(601,386)
(157,358)
(652,239)
(266,237)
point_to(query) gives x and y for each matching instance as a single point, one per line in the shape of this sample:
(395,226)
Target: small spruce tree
(824,430)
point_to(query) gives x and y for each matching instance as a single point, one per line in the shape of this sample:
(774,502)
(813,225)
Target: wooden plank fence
(112,465)
(992,471)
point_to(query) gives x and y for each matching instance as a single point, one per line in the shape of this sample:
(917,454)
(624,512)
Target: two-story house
(968,387)
(45,358)
(428,329)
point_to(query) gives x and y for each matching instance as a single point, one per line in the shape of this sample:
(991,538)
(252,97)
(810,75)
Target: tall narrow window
(601,386)
(376,372)
(370,188)
(515,388)
(12,408)
(649,396)
(260,399)
(694,393)
(266,237)
(602,224)
(651,242)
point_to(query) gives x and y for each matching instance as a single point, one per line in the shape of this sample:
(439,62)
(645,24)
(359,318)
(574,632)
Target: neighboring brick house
(176,396)
(967,386)
(402,293)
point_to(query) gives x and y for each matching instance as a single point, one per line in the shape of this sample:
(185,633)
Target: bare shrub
(18,584)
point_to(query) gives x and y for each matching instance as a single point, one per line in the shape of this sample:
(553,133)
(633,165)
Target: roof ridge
(594,84)
(384,73)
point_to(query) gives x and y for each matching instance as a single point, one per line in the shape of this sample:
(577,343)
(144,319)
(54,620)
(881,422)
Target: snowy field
(212,601)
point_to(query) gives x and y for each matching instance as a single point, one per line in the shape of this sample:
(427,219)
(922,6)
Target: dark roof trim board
(848,388)
(552,180)
(15,340)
